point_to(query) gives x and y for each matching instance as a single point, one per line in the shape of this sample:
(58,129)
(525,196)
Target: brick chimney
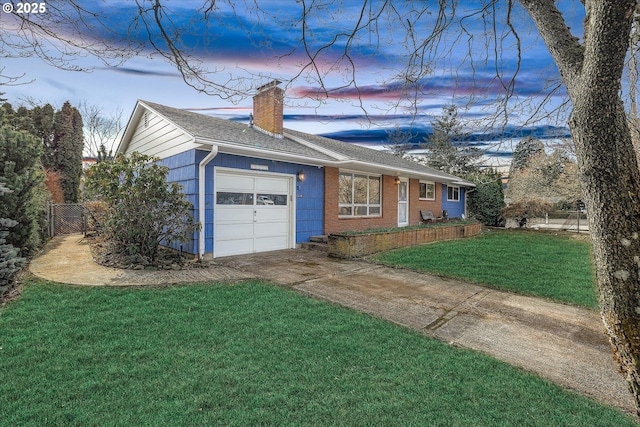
(268,109)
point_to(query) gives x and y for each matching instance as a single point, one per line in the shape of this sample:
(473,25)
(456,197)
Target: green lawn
(545,265)
(250,354)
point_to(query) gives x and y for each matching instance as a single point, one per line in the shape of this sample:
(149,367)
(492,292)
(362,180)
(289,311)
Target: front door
(403,202)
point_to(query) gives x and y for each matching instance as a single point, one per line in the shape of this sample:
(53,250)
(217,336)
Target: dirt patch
(105,253)
(12,294)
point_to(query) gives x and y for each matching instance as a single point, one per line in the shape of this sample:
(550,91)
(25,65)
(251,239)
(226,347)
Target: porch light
(397,180)
(301,176)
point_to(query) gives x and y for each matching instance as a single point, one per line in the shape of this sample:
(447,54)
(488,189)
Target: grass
(557,267)
(250,354)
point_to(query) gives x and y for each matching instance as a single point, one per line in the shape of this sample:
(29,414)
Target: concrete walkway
(564,344)
(67,259)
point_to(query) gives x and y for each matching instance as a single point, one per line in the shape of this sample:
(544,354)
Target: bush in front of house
(143,209)
(97,215)
(485,202)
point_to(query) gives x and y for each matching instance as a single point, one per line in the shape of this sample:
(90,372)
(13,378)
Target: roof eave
(137,114)
(402,172)
(242,150)
(129,129)
(317,147)
(239,149)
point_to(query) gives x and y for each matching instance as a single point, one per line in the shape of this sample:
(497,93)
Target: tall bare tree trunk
(609,171)
(611,186)
(634,123)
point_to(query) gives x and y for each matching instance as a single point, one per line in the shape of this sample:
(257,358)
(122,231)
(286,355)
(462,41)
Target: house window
(229,198)
(271,199)
(427,190)
(359,194)
(453,194)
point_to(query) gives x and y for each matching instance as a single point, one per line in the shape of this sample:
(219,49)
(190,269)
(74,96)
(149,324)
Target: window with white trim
(453,194)
(359,194)
(427,190)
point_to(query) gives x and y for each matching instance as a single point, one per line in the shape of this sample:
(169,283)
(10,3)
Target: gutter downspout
(202,196)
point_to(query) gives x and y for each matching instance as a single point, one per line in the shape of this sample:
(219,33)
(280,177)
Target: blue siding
(309,194)
(183,171)
(455,209)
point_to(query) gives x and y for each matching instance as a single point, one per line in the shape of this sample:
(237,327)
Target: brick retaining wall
(357,245)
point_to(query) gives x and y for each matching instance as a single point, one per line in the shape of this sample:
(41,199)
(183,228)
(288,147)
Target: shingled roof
(216,130)
(307,148)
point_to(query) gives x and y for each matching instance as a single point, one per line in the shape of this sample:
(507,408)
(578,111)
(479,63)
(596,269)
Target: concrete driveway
(564,344)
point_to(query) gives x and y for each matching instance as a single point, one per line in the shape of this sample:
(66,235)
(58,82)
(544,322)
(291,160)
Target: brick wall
(333,224)
(353,246)
(268,109)
(389,217)
(416,205)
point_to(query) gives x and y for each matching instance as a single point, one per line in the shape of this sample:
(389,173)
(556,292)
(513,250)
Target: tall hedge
(63,153)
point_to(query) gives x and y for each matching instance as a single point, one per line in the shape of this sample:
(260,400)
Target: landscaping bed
(355,245)
(106,254)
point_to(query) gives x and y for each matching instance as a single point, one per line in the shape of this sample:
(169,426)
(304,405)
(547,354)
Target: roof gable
(233,137)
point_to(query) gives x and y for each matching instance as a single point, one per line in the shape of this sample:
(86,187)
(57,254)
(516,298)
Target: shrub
(21,171)
(526,208)
(486,201)
(54,187)
(144,210)
(10,263)
(98,213)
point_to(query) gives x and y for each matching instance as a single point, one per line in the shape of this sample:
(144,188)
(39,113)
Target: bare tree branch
(100,131)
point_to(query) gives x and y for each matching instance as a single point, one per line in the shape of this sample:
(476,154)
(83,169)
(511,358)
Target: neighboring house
(87,162)
(258,187)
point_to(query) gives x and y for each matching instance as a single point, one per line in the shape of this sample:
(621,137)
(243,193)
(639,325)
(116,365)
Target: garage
(253,212)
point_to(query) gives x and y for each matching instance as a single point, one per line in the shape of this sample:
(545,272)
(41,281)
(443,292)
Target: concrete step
(315,246)
(318,239)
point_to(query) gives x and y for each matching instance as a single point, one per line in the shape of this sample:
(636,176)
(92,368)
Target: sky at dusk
(241,45)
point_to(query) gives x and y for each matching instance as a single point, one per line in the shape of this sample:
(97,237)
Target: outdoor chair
(427,216)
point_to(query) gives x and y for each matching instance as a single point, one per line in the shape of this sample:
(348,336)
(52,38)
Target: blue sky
(254,47)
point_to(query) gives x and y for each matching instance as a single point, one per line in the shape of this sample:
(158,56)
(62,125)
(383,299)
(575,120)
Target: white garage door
(253,213)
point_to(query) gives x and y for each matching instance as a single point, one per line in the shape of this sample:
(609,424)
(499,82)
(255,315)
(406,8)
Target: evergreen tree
(526,149)
(442,154)
(485,202)
(21,120)
(398,141)
(20,170)
(63,153)
(6,114)
(10,263)
(43,122)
